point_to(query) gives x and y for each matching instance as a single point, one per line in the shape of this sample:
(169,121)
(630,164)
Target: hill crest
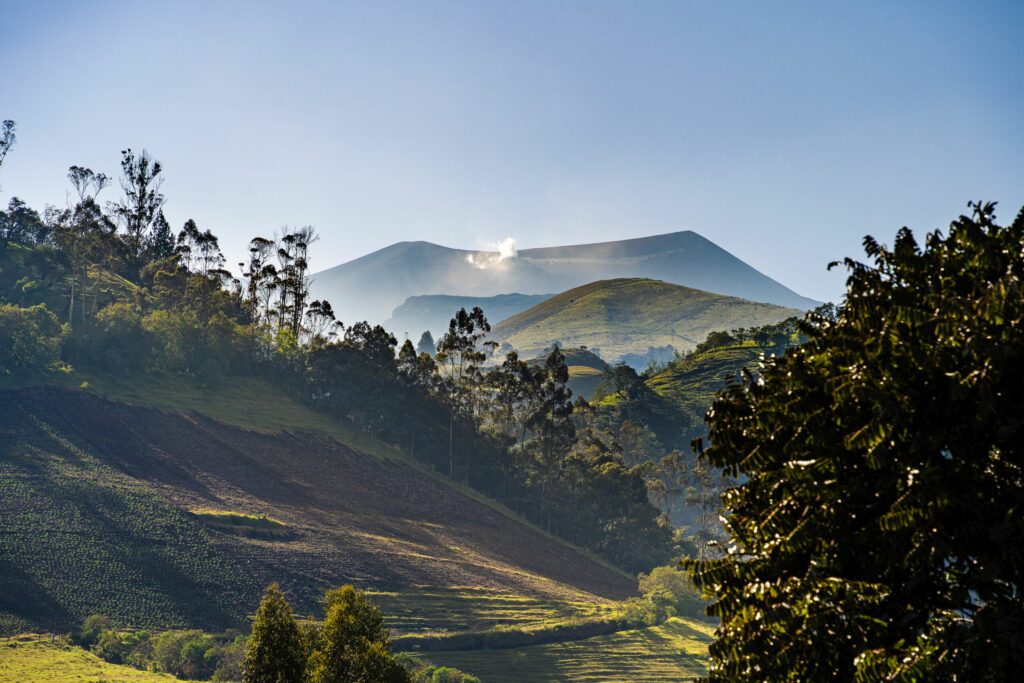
(628,319)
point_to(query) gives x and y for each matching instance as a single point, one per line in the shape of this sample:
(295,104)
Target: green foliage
(30,338)
(275,652)
(187,654)
(92,626)
(204,348)
(353,645)
(876,534)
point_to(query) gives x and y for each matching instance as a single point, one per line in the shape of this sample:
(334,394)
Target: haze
(783,136)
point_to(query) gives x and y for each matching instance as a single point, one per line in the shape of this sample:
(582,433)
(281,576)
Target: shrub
(30,338)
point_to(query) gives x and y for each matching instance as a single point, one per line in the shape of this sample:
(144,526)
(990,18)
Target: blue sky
(784,132)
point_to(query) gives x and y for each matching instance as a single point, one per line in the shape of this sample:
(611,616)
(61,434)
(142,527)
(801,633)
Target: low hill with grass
(628,318)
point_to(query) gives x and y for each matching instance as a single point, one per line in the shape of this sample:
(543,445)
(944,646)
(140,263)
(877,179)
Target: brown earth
(351,517)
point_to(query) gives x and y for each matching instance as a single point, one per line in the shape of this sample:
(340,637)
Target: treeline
(111,287)
(348,645)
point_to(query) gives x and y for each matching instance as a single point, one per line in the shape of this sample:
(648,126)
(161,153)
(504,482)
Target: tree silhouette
(876,537)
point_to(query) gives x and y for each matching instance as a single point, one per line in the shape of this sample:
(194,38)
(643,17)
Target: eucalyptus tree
(142,202)
(459,359)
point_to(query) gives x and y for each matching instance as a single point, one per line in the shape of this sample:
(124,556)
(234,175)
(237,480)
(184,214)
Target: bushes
(191,655)
(192,346)
(115,340)
(30,338)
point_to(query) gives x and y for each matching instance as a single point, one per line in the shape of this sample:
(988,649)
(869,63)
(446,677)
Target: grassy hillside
(616,318)
(39,658)
(131,511)
(673,651)
(691,383)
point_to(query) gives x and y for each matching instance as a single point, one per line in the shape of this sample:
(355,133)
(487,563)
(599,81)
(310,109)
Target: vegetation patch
(244,524)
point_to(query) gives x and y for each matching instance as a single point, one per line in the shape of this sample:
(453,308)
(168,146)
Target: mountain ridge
(373,285)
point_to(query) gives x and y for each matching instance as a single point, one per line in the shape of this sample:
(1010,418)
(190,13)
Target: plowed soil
(94,501)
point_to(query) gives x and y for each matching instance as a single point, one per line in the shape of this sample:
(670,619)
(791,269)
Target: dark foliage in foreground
(877,536)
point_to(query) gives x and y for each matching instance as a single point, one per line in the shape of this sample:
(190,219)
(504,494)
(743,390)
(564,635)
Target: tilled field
(94,501)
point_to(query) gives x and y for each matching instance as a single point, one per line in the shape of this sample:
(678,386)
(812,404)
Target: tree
(7,139)
(876,536)
(159,244)
(86,182)
(274,653)
(20,223)
(426,344)
(321,325)
(353,646)
(459,359)
(142,201)
(551,421)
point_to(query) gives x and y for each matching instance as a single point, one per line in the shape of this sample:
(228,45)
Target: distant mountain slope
(104,508)
(372,286)
(619,318)
(433,311)
(586,370)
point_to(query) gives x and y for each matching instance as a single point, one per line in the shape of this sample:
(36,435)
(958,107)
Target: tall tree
(459,358)
(876,535)
(274,653)
(160,241)
(551,421)
(7,138)
(354,646)
(142,201)
(426,344)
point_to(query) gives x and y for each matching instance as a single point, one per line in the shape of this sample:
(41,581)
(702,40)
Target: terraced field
(31,658)
(440,610)
(674,651)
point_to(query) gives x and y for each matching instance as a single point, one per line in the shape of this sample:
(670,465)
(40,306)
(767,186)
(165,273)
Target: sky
(783,132)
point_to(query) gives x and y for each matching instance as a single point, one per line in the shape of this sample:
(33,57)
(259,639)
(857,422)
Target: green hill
(691,383)
(627,318)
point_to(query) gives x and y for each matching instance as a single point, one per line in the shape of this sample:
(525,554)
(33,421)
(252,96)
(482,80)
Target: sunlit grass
(31,658)
(673,651)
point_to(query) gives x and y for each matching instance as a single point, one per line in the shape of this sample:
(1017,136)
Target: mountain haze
(433,311)
(372,286)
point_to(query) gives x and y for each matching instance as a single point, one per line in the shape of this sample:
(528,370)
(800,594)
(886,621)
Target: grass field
(33,659)
(674,651)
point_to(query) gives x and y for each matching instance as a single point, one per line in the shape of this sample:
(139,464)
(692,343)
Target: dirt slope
(94,500)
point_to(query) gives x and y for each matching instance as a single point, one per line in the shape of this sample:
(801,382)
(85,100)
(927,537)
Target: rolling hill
(433,311)
(372,286)
(625,318)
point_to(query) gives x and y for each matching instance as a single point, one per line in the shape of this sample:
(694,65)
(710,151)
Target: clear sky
(783,132)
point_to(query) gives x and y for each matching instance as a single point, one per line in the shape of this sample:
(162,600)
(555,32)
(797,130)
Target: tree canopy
(877,533)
